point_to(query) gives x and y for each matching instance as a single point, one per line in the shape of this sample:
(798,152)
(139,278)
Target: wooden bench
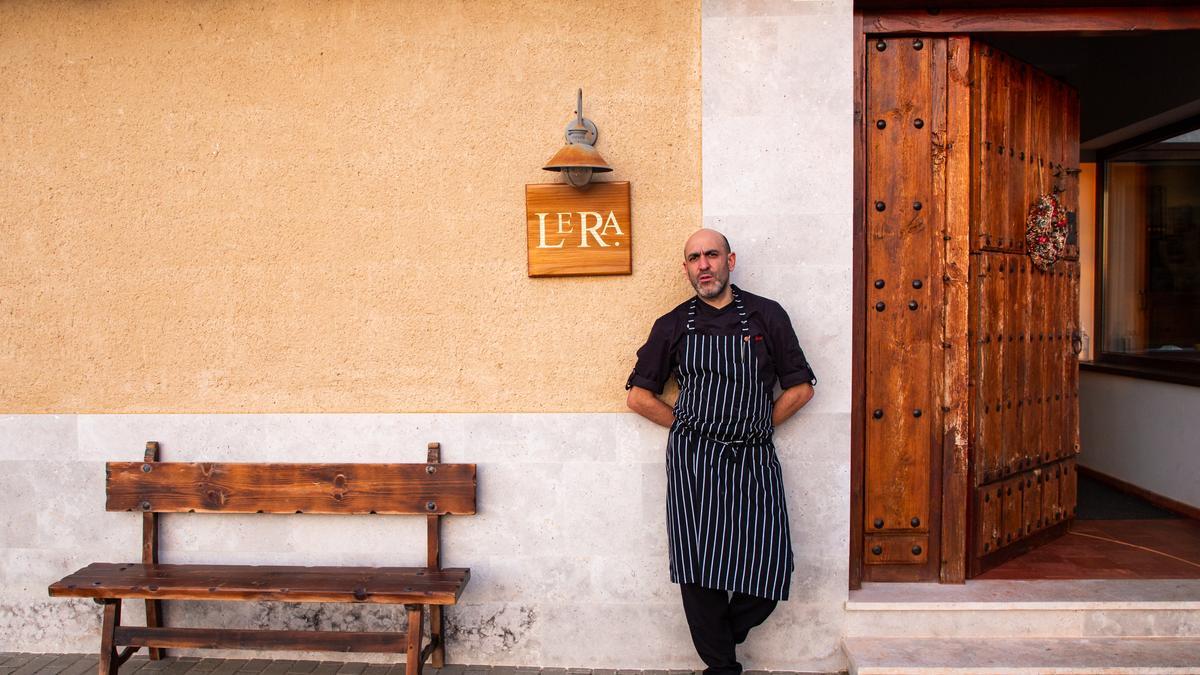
(152,487)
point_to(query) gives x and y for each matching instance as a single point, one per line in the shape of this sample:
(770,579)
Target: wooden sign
(573,231)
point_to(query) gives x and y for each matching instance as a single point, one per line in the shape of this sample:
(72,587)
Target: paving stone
(60,664)
(180,666)
(85,664)
(378,669)
(453,670)
(35,664)
(303,667)
(352,668)
(159,665)
(15,660)
(230,667)
(143,665)
(133,665)
(207,665)
(280,667)
(140,664)
(255,666)
(327,668)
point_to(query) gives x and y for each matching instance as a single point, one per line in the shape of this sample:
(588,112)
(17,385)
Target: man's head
(708,261)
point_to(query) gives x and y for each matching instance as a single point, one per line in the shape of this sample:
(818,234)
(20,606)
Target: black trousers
(719,623)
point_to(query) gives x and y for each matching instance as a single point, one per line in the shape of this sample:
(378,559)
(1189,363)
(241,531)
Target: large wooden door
(1024,320)
(904,220)
(970,349)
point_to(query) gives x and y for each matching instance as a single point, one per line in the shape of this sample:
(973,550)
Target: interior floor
(1115,536)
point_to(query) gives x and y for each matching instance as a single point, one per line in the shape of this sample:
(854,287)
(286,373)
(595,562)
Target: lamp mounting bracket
(581,129)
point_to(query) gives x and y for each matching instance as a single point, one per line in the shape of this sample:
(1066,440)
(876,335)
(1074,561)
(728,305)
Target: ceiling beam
(1032,20)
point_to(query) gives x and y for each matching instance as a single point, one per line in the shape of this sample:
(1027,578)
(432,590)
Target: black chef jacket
(775,342)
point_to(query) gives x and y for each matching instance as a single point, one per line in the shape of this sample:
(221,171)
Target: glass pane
(1152,252)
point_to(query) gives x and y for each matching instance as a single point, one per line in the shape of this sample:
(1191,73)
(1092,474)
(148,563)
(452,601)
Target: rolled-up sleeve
(655,358)
(791,366)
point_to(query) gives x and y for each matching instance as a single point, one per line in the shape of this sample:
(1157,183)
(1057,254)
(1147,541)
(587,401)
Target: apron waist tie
(730,449)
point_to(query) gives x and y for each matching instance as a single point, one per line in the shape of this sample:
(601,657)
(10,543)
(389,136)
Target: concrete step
(1088,608)
(1016,656)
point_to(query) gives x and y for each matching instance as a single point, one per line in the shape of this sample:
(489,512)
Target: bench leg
(412,659)
(108,629)
(437,635)
(154,614)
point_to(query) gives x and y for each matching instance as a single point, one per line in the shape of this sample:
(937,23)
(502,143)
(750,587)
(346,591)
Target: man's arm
(645,403)
(789,402)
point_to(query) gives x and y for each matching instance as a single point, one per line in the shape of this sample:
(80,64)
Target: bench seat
(381,585)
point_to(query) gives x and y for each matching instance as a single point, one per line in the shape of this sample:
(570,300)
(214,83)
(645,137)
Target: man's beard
(717,287)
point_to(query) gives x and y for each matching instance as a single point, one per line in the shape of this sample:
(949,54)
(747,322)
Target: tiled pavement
(82,664)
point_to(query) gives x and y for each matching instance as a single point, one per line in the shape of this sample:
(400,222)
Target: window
(1150,269)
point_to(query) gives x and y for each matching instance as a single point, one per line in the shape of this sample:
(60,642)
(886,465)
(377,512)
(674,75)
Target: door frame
(904,18)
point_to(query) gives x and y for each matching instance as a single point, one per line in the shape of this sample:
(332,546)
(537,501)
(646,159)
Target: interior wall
(1087,257)
(1142,432)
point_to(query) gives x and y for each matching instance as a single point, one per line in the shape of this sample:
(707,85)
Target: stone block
(619,635)
(24,437)
(1184,623)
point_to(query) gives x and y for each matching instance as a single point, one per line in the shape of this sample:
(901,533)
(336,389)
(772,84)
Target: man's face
(708,263)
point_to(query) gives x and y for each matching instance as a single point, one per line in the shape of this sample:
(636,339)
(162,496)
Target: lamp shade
(577,156)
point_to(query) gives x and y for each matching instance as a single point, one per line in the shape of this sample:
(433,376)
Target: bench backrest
(432,489)
(177,487)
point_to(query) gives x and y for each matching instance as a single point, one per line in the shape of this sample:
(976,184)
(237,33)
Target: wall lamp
(578,160)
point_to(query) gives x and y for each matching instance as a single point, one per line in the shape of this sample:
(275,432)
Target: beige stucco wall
(318,207)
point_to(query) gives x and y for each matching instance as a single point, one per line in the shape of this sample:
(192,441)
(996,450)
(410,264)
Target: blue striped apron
(727,523)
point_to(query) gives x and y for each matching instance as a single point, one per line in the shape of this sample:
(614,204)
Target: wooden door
(905,103)
(970,421)
(1023,320)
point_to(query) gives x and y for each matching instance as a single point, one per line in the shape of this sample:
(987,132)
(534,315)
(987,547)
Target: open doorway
(1128,85)
(1141,312)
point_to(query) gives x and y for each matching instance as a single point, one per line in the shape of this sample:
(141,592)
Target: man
(727,525)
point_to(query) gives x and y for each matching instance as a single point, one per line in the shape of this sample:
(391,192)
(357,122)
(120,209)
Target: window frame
(1159,368)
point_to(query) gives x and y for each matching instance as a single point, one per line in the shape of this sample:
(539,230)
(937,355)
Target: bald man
(727,525)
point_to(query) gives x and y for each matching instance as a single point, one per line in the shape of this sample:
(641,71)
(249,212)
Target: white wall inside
(1143,432)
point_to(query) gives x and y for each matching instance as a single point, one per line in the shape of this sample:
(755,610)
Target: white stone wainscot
(567,551)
